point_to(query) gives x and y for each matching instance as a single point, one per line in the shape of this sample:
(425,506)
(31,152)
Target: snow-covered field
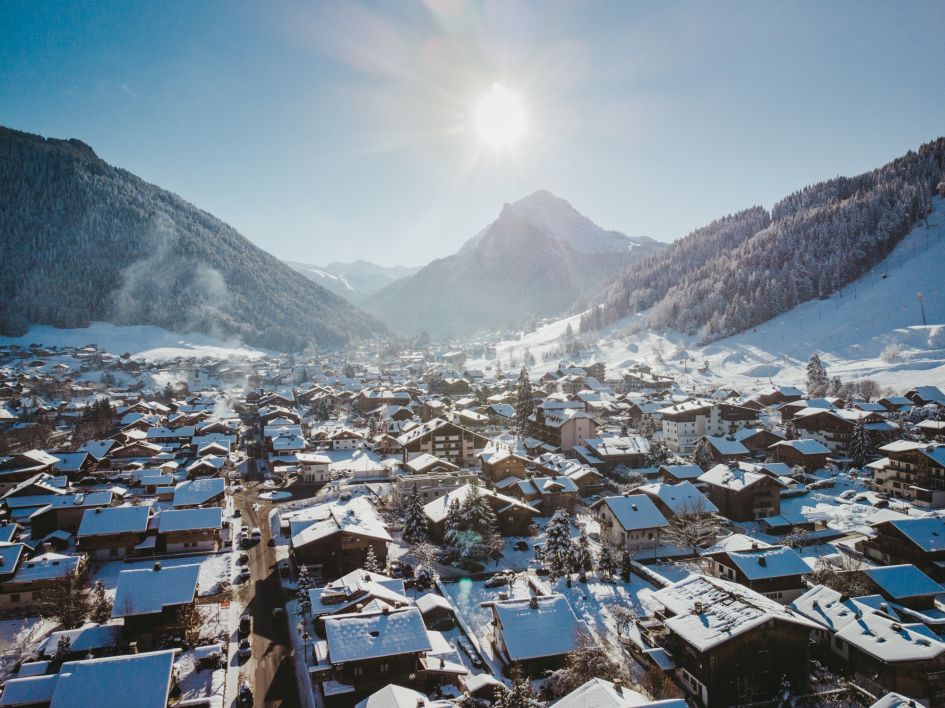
(871,329)
(151,343)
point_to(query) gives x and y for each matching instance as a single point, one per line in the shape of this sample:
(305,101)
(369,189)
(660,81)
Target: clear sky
(332,131)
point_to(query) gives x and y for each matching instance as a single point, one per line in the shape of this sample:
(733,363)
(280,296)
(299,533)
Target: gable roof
(634,511)
(358,637)
(550,628)
(150,590)
(114,519)
(709,611)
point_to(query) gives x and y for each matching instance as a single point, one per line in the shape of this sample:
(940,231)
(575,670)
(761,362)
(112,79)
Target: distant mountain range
(356,280)
(535,260)
(81,240)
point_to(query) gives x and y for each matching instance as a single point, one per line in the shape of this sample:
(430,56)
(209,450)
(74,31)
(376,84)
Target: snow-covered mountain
(872,328)
(355,280)
(535,260)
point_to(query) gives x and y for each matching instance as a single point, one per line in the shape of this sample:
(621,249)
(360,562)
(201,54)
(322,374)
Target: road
(271,663)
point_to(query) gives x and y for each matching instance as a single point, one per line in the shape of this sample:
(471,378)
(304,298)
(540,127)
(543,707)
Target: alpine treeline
(81,240)
(746,268)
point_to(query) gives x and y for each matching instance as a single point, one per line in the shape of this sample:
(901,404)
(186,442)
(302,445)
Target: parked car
(246,649)
(244,573)
(245,696)
(246,624)
(237,513)
(256,534)
(464,644)
(278,613)
(243,559)
(499,579)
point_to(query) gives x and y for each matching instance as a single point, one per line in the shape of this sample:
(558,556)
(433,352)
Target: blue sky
(334,131)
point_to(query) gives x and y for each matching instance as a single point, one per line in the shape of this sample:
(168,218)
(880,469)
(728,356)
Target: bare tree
(842,573)
(66,600)
(693,527)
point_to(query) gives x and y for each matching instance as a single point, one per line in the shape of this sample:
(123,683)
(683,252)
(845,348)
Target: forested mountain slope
(81,240)
(745,269)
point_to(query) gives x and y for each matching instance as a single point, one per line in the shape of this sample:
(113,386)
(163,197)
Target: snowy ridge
(145,341)
(871,329)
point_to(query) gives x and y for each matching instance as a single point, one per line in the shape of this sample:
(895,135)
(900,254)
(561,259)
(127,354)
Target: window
(357,671)
(384,668)
(15,597)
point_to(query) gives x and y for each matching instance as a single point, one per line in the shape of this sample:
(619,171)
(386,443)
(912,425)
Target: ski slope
(871,329)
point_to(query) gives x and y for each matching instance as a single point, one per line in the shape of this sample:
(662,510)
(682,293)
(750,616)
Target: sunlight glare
(499,118)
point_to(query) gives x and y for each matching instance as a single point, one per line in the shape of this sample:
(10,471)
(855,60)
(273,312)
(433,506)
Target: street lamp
(921,298)
(305,636)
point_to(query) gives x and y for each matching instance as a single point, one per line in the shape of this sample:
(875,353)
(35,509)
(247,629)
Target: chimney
(132,647)
(754,545)
(697,607)
(157,565)
(533,602)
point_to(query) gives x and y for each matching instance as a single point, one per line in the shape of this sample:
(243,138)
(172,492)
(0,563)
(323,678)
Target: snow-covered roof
(774,562)
(928,533)
(85,638)
(150,590)
(804,446)
(190,519)
(394,696)
(437,509)
(114,519)
(682,498)
(600,693)
(691,471)
(726,444)
(198,491)
(358,637)
(634,511)
(618,446)
(903,581)
(734,477)
(710,611)
(45,567)
(98,682)
(355,516)
(550,628)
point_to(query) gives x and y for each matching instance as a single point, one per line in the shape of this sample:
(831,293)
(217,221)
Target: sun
(499,118)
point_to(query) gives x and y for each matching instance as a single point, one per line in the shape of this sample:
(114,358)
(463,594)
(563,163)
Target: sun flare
(499,118)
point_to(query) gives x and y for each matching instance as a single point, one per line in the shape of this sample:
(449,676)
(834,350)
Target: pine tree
(581,554)
(659,454)
(702,454)
(520,695)
(557,552)
(101,606)
(647,426)
(607,561)
(817,379)
(305,583)
(454,518)
(861,447)
(626,564)
(415,519)
(370,561)
(524,404)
